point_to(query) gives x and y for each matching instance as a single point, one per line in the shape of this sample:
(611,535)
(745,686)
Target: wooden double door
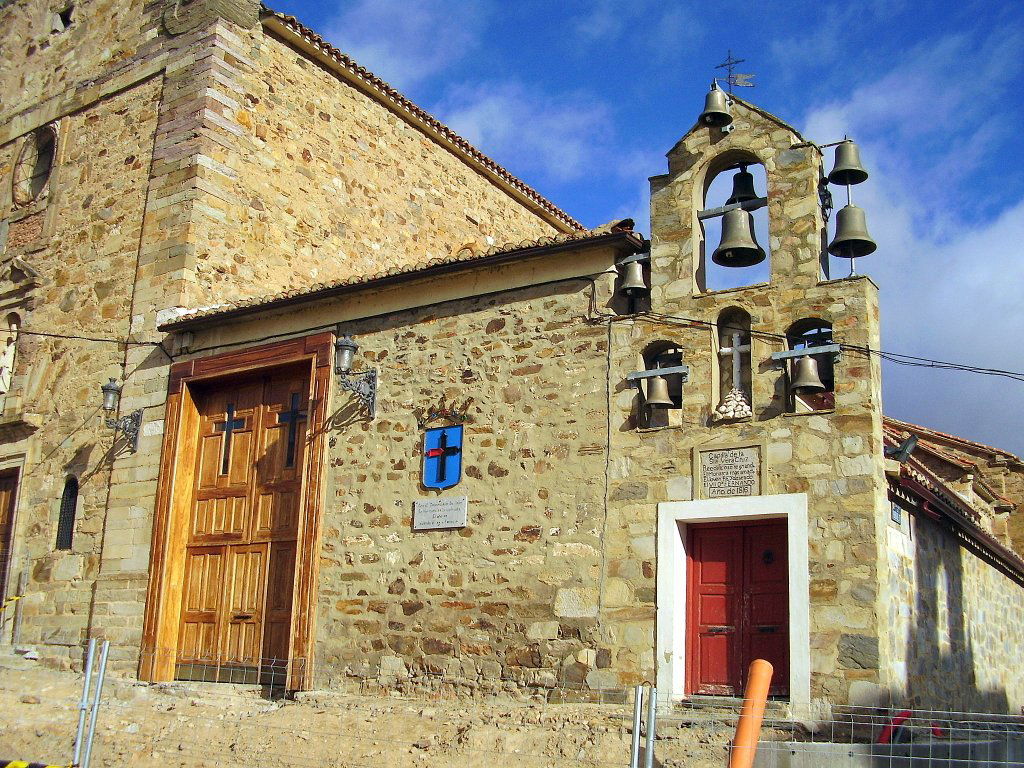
(738,605)
(240,545)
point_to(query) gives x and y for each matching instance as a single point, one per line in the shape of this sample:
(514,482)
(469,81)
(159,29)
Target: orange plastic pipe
(748,729)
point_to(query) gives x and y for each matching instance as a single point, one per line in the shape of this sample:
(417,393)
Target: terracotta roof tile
(906,425)
(389,94)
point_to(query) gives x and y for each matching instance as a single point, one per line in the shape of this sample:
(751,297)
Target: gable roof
(963,442)
(293,31)
(610,234)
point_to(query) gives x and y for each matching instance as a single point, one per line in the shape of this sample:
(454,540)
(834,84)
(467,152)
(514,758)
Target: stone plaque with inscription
(430,514)
(731,472)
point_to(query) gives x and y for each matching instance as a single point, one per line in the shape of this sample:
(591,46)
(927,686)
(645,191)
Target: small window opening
(662,354)
(66,520)
(719,277)
(735,379)
(34,166)
(811,385)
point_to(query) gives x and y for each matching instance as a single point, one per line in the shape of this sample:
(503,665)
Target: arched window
(811,384)
(735,380)
(662,354)
(66,520)
(7,354)
(735,249)
(35,163)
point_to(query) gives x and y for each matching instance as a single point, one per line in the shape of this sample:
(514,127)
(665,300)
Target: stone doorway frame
(670,643)
(174,493)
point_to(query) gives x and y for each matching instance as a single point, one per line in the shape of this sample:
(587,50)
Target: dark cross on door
(443,451)
(292,418)
(228,428)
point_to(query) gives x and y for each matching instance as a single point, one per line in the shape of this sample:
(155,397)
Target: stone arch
(733,373)
(715,185)
(804,333)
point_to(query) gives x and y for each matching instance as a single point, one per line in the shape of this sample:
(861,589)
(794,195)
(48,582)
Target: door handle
(768,629)
(242,616)
(719,630)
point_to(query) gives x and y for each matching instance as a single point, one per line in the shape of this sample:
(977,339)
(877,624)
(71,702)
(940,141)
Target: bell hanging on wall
(742,187)
(657,393)
(633,283)
(806,380)
(847,169)
(852,239)
(716,108)
(738,247)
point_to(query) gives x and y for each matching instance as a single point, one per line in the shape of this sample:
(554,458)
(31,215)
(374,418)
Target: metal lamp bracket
(129,426)
(824,349)
(363,385)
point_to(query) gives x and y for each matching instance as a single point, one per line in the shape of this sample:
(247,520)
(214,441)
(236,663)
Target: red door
(737,605)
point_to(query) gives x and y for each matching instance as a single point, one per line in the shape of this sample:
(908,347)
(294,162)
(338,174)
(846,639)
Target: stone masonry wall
(513,595)
(957,624)
(319,182)
(85,253)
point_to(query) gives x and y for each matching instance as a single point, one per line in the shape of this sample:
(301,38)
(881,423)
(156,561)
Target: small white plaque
(440,513)
(731,472)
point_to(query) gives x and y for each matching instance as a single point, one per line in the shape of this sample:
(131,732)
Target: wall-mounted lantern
(128,425)
(363,385)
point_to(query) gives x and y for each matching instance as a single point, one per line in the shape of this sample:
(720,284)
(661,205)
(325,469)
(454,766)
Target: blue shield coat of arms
(442,457)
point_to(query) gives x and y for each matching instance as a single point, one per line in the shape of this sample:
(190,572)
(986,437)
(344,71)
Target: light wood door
(8,497)
(240,553)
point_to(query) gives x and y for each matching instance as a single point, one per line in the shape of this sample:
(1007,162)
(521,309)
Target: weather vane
(735,79)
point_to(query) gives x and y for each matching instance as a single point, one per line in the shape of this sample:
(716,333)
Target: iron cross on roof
(735,79)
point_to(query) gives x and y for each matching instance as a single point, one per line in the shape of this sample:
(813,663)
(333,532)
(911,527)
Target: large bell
(657,393)
(742,187)
(738,247)
(633,280)
(806,380)
(852,239)
(716,108)
(847,169)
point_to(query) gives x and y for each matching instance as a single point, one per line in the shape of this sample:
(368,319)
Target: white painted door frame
(673,517)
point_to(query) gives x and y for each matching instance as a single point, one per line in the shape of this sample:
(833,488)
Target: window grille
(66,521)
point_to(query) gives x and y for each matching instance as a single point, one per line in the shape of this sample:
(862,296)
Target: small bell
(657,393)
(738,247)
(852,239)
(806,380)
(716,108)
(633,283)
(742,187)
(847,169)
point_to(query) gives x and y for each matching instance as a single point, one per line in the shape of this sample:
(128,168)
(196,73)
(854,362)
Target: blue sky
(583,99)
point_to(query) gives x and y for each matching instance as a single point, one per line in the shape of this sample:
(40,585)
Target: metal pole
(83,705)
(652,714)
(96,703)
(638,705)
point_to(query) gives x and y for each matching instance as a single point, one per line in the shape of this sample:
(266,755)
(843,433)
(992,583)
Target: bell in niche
(657,393)
(806,380)
(716,108)
(852,239)
(742,187)
(847,169)
(633,283)
(738,247)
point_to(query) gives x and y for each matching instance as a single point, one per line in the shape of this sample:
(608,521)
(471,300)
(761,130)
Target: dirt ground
(189,724)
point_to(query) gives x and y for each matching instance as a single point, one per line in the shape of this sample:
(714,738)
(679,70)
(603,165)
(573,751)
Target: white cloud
(950,276)
(534,132)
(406,42)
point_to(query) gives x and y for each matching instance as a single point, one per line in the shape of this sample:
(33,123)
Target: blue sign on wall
(442,457)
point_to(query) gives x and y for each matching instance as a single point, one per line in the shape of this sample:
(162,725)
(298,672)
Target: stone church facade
(200,200)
